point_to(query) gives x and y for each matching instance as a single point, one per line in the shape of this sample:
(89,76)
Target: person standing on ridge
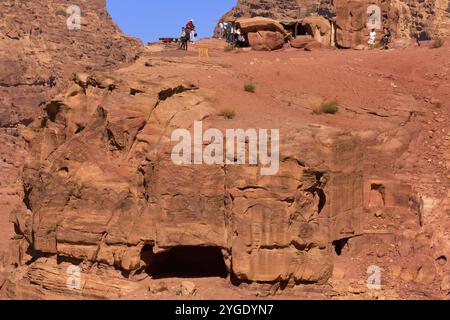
(221,29)
(225,30)
(386,38)
(185,38)
(372,38)
(230,31)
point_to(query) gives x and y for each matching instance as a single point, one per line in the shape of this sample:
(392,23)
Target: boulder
(260,24)
(307,43)
(187,288)
(266,40)
(158,288)
(321,29)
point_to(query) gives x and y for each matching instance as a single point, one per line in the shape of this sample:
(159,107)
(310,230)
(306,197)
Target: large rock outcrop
(275,9)
(424,19)
(265,40)
(404,19)
(102,193)
(37,49)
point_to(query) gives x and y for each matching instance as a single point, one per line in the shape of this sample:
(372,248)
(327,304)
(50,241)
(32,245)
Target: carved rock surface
(101,189)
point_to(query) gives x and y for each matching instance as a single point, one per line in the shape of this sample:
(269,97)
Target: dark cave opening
(317,190)
(381,190)
(185,262)
(339,245)
(26,197)
(322,199)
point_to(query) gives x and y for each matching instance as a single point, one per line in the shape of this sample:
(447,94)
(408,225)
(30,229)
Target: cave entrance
(339,245)
(185,262)
(297,28)
(377,196)
(304,30)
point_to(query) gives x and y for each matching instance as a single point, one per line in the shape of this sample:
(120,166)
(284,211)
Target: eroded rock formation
(405,19)
(37,53)
(275,9)
(37,48)
(102,192)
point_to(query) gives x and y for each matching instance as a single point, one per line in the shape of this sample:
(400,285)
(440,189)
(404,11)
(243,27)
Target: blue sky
(152,19)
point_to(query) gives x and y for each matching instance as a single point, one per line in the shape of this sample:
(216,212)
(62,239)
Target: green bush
(250,87)
(328,107)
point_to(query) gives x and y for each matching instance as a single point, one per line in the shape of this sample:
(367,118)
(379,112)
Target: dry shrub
(227,113)
(328,107)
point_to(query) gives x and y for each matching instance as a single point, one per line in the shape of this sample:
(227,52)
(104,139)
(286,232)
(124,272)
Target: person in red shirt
(190,25)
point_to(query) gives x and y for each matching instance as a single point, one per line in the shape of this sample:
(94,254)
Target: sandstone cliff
(37,49)
(424,19)
(102,190)
(37,52)
(365,186)
(275,9)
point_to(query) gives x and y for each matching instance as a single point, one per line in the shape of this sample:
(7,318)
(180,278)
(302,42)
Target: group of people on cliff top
(231,33)
(188,35)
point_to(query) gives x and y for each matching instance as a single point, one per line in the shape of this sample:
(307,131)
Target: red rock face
(100,192)
(405,19)
(37,49)
(275,9)
(107,191)
(37,52)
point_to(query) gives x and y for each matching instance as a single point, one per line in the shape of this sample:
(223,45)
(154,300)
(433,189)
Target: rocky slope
(37,52)
(101,192)
(102,201)
(37,49)
(101,189)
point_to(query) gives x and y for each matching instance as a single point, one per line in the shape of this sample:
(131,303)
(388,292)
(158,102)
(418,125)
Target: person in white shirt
(225,30)
(240,40)
(220,30)
(372,38)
